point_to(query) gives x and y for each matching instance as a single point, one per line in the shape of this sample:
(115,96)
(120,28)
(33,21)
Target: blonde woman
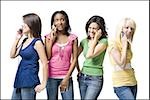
(124,81)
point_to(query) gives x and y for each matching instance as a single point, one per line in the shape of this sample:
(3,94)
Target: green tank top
(93,66)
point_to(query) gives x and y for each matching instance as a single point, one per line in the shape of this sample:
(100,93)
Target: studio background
(79,12)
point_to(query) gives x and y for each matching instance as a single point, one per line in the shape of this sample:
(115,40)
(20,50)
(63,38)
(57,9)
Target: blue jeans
(126,92)
(90,86)
(24,94)
(52,89)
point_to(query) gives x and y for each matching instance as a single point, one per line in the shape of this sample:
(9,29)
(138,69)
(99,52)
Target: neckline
(27,45)
(62,45)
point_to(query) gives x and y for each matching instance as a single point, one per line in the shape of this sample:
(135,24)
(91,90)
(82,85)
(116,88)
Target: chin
(25,34)
(91,36)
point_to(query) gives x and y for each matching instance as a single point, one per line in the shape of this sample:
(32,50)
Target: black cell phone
(56,28)
(20,31)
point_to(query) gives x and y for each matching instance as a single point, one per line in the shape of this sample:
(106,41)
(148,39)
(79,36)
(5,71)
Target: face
(25,29)
(128,29)
(92,29)
(59,22)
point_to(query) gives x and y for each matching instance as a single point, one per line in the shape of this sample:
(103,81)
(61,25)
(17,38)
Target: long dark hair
(67,28)
(101,23)
(34,23)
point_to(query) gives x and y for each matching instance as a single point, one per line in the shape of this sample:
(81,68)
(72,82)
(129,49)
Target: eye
(55,20)
(89,27)
(95,28)
(126,27)
(62,19)
(132,29)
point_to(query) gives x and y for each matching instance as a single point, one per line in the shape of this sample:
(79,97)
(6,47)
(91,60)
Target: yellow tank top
(122,77)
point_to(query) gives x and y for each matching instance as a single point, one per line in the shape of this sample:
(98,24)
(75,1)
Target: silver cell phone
(122,34)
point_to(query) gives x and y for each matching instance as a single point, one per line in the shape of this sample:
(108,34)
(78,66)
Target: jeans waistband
(82,74)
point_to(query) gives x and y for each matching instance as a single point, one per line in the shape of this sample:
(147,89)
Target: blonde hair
(119,29)
(116,42)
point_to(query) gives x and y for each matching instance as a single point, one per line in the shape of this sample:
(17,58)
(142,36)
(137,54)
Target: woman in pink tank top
(61,49)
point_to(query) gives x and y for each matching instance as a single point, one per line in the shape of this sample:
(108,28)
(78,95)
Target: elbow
(12,56)
(88,56)
(121,64)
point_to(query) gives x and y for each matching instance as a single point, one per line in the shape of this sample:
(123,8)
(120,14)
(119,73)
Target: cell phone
(122,34)
(54,28)
(20,31)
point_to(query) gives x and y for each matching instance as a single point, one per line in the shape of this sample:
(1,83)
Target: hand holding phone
(53,33)
(98,34)
(124,39)
(19,33)
(54,28)
(122,34)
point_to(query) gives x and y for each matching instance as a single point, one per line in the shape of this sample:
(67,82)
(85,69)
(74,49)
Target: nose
(59,22)
(129,30)
(91,30)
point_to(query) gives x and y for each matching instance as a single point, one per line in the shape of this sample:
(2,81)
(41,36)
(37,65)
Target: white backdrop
(79,12)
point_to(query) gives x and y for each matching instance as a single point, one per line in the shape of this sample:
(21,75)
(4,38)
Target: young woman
(124,81)
(61,48)
(90,78)
(27,82)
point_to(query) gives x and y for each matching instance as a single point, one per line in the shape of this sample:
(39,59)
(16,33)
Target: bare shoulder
(75,42)
(114,50)
(38,43)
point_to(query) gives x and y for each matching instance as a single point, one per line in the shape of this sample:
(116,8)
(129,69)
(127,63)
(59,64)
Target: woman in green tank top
(94,46)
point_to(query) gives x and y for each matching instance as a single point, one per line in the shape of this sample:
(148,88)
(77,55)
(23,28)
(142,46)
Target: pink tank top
(61,58)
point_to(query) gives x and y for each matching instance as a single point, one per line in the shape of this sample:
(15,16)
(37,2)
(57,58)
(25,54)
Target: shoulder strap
(24,40)
(36,39)
(72,37)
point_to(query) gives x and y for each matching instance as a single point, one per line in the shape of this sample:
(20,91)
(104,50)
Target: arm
(15,48)
(48,47)
(94,50)
(49,41)
(80,49)
(119,56)
(74,59)
(42,55)
(65,81)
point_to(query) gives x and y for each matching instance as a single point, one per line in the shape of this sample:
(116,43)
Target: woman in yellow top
(124,81)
